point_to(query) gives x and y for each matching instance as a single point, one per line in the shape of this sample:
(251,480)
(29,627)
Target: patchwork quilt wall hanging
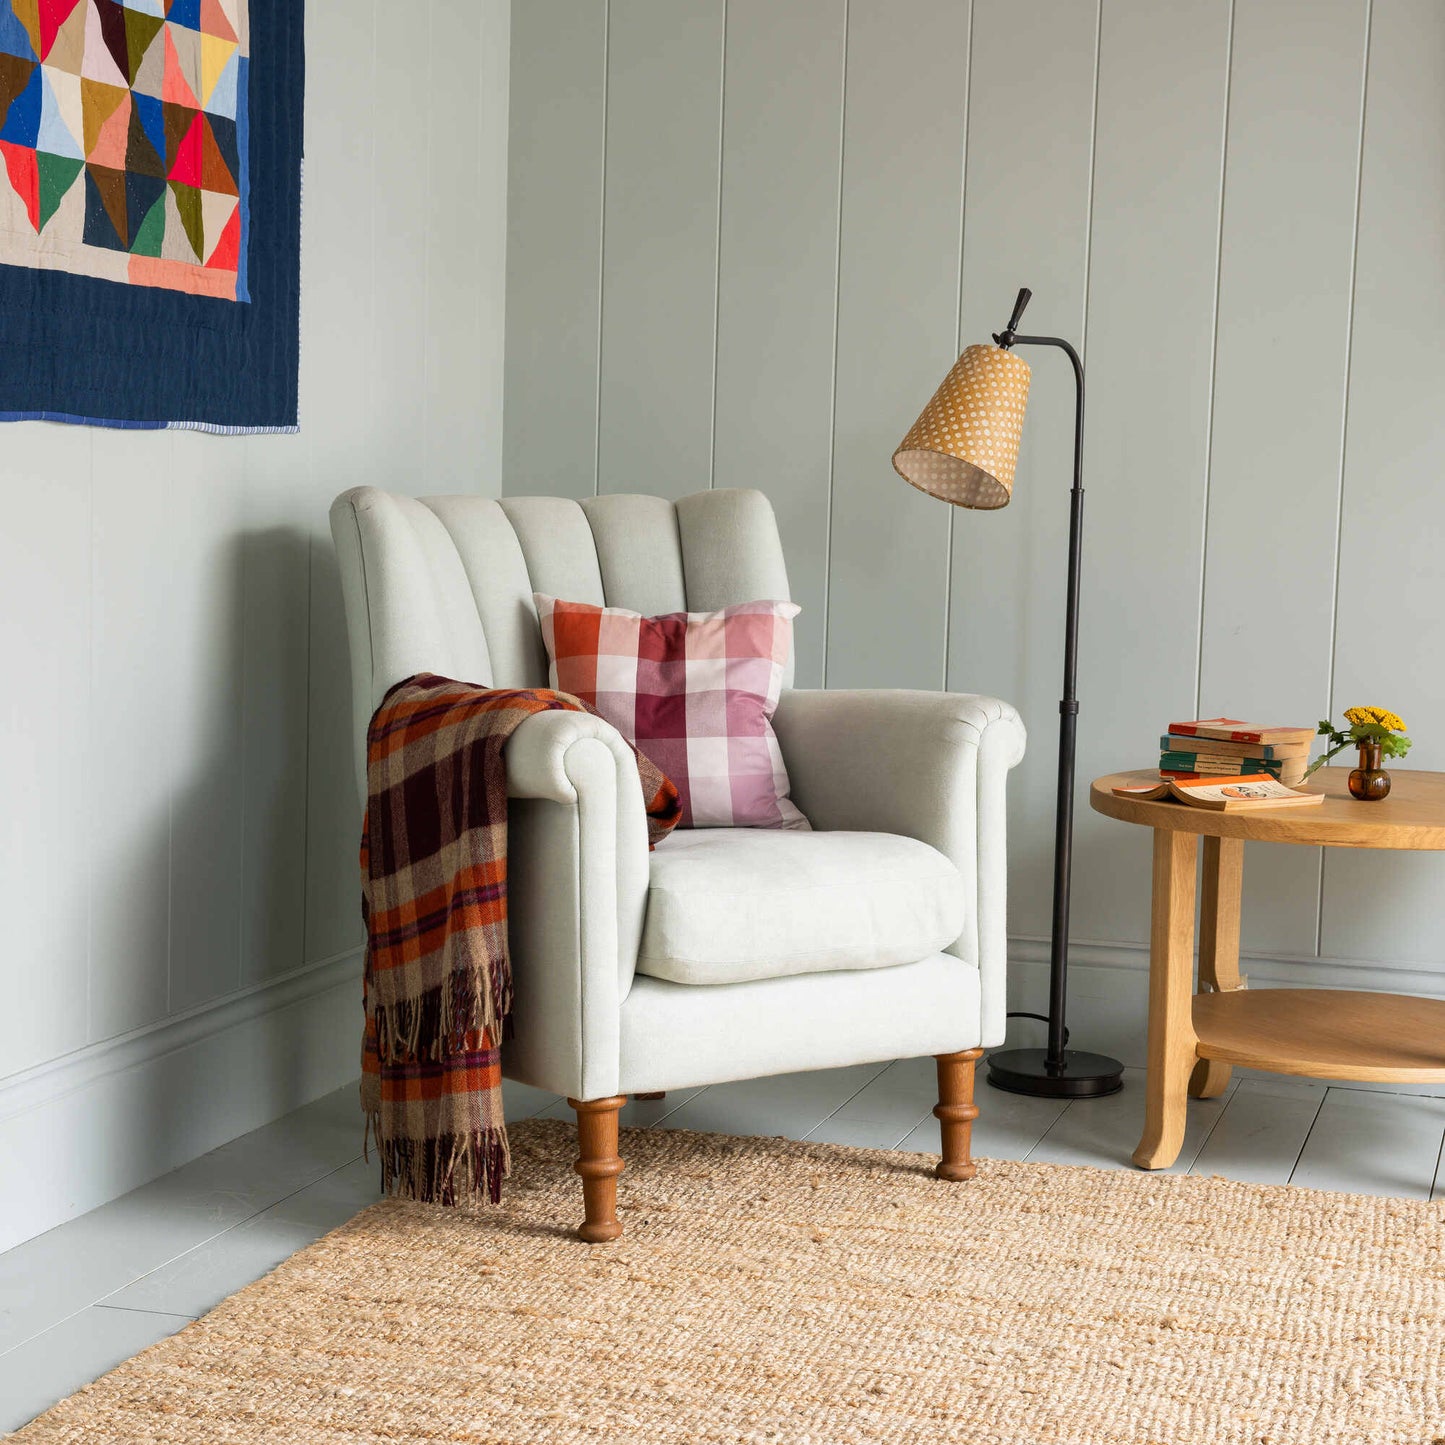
(150,212)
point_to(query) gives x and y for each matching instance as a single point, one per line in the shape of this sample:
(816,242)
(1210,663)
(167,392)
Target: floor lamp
(963,449)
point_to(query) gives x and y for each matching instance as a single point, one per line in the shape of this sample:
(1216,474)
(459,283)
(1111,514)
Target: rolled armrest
(577,893)
(537,755)
(928,765)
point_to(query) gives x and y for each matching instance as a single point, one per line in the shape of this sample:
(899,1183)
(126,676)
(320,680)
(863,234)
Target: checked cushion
(695,691)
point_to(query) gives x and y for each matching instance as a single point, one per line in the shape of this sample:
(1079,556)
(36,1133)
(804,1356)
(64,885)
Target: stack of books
(1217,747)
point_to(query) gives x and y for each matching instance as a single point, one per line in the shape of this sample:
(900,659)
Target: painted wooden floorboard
(62,1271)
(1368,1143)
(1262,1130)
(72,1353)
(1106,1132)
(1008,1125)
(789,1105)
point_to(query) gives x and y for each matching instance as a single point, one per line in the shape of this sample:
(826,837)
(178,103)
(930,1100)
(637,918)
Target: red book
(1235,730)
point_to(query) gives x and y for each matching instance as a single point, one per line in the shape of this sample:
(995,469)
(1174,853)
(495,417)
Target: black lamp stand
(1058,1071)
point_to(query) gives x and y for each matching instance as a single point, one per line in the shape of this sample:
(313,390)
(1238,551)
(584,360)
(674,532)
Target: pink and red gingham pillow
(695,691)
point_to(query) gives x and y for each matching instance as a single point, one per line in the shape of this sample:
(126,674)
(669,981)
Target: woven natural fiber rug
(771,1291)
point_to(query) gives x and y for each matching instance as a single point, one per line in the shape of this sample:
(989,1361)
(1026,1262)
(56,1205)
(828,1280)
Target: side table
(1195,1038)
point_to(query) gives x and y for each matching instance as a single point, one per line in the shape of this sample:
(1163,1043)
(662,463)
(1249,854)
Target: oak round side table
(1195,1038)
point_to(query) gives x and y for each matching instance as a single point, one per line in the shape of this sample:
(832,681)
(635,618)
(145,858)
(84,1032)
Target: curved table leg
(1218,945)
(1171,991)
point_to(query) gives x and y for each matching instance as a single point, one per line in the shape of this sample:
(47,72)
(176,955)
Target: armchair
(879,935)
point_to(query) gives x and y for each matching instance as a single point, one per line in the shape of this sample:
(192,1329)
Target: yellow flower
(1380,715)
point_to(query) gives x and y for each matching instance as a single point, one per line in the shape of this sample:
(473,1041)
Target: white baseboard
(83,1129)
(1109,988)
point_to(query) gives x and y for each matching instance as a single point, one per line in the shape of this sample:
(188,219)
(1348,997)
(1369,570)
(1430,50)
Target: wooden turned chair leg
(599,1166)
(955,1112)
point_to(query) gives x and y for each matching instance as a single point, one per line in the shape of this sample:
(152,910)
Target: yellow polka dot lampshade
(965,445)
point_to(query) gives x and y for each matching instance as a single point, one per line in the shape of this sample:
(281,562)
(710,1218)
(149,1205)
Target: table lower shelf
(1325,1033)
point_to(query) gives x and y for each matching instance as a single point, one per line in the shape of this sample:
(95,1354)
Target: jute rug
(770,1291)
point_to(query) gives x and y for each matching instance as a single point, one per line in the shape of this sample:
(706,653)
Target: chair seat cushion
(725,905)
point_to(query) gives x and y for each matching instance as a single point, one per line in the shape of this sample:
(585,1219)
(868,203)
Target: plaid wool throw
(438,989)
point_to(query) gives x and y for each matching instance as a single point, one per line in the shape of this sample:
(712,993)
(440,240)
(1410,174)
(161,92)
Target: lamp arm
(1068,713)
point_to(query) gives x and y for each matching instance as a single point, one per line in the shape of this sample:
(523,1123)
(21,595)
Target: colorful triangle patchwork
(140,33)
(53,14)
(54,134)
(67,50)
(215,21)
(15,74)
(24,175)
(22,117)
(119,131)
(14,38)
(27,12)
(56,176)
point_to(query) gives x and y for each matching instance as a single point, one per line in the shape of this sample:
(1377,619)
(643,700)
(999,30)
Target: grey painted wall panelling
(44,763)
(340,455)
(1212,289)
(1390,627)
(130,738)
(554,246)
(777,281)
(903,141)
(181,814)
(1157,175)
(207,521)
(1026,224)
(659,275)
(1286,258)
(466,256)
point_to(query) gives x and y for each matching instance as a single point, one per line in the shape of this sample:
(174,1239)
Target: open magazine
(1222,795)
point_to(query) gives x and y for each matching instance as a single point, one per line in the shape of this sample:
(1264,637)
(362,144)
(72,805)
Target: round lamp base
(1083,1075)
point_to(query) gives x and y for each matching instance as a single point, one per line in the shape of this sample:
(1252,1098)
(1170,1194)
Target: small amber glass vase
(1369,782)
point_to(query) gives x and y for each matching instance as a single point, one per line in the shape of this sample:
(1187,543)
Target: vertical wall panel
(1390,628)
(466,257)
(130,779)
(45,497)
(205,639)
(554,245)
(1286,257)
(480,369)
(405,114)
(1157,164)
(659,276)
(339,457)
(1026,225)
(276,588)
(777,280)
(903,137)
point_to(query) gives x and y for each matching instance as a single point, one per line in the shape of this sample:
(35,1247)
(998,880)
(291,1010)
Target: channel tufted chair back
(447,582)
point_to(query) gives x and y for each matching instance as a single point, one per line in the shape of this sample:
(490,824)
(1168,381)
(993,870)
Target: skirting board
(1108,999)
(84,1129)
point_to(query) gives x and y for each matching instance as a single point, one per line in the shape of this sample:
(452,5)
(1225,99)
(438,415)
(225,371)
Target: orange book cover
(1236,730)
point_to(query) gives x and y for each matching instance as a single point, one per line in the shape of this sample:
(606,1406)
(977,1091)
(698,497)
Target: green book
(1194,763)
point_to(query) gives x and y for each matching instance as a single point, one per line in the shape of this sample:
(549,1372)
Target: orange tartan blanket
(438,983)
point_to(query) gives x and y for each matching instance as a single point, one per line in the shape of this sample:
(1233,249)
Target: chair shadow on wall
(237,836)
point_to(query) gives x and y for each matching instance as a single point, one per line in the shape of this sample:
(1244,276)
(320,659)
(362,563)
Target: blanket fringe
(468,1001)
(453,1169)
